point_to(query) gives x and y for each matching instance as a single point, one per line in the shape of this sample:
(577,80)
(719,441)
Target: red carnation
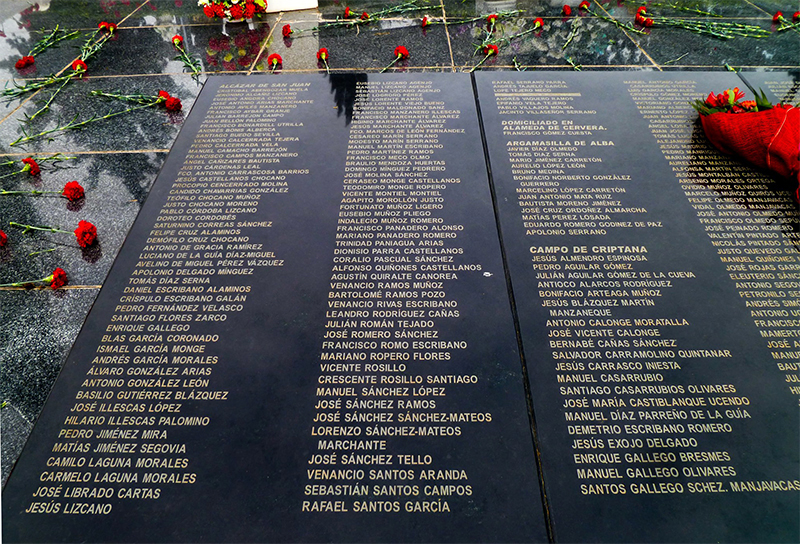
(219,10)
(796,16)
(163,94)
(346,12)
(24,62)
(648,22)
(177,41)
(364,16)
(78,66)
(491,19)
(249,11)
(57,279)
(3,238)
(538,22)
(425,22)
(641,11)
(73,191)
(173,104)
(584,5)
(111,27)
(287,31)
(274,60)
(778,17)
(322,54)
(31,166)
(401,52)
(208,10)
(86,233)
(490,49)
(566,11)
(236,12)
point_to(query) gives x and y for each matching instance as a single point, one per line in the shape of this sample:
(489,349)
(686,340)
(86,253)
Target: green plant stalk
(135,98)
(406,7)
(90,46)
(34,192)
(26,283)
(481,62)
(626,26)
(19,90)
(50,100)
(72,125)
(677,7)
(50,40)
(500,42)
(13,173)
(42,251)
(789,26)
(33,227)
(571,34)
(723,30)
(576,67)
(188,62)
(398,57)
(56,158)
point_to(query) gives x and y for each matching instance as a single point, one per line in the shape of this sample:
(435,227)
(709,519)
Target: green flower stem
(462,21)
(51,40)
(72,125)
(572,34)
(327,69)
(717,29)
(188,62)
(33,227)
(42,251)
(19,90)
(407,7)
(34,192)
(521,34)
(90,46)
(13,173)
(675,60)
(49,100)
(398,57)
(674,6)
(785,25)
(46,279)
(481,62)
(55,158)
(576,67)
(625,26)
(135,98)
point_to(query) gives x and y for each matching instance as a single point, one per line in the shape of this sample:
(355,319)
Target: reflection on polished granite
(117,160)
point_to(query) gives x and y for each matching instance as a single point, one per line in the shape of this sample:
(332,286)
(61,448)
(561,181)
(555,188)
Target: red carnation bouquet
(233,10)
(754,131)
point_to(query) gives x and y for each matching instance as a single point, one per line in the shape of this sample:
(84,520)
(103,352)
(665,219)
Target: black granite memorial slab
(655,283)
(306,337)
(777,86)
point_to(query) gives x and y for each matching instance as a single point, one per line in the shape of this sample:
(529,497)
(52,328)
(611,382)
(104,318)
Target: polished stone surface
(39,326)
(284,317)
(654,213)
